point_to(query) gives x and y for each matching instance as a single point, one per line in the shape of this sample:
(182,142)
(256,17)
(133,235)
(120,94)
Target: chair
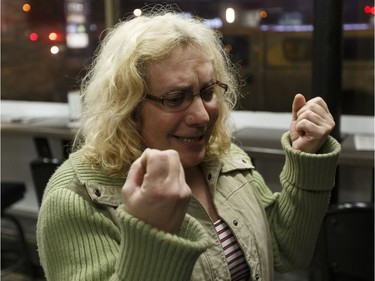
(345,248)
(15,257)
(41,171)
(43,167)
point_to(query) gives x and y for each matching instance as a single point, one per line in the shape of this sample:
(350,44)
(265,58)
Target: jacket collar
(105,189)
(236,159)
(102,188)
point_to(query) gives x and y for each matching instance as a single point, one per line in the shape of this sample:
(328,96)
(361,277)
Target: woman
(156,189)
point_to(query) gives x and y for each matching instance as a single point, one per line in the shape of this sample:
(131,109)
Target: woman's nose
(197,112)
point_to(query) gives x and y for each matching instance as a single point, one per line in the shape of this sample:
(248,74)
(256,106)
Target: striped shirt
(238,268)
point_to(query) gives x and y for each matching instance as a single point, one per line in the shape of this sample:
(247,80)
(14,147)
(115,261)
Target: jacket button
(97,192)
(257,276)
(209,176)
(235,222)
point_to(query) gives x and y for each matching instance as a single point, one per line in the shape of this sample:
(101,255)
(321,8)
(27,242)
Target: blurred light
(213,23)
(81,28)
(33,36)
(369,9)
(137,12)
(230,15)
(358,26)
(54,50)
(55,36)
(286,28)
(26,8)
(301,28)
(71,28)
(263,14)
(77,40)
(52,36)
(93,27)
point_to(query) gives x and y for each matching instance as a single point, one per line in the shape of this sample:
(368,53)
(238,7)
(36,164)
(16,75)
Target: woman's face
(187,131)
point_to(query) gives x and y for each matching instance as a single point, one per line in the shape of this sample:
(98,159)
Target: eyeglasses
(180,100)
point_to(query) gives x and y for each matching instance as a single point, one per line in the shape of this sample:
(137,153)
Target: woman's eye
(208,94)
(175,99)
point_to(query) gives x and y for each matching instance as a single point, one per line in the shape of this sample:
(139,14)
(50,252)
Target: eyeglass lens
(182,99)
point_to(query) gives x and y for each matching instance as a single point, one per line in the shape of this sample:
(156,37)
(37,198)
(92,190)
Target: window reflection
(46,45)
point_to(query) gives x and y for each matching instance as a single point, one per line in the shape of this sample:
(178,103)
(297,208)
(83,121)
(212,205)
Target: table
(55,130)
(265,143)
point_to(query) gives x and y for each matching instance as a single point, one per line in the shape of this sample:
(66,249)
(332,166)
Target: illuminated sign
(76,24)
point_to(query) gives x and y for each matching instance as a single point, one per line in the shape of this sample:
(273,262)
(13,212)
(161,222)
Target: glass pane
(46,46)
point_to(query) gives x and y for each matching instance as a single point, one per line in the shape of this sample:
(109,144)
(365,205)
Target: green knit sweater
(79,239)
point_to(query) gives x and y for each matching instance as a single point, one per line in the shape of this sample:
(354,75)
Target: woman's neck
(198,185)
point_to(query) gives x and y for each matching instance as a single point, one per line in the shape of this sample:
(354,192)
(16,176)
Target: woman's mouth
(189,139)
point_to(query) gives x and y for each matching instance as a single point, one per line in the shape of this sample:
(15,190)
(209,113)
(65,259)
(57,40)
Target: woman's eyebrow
(189,88)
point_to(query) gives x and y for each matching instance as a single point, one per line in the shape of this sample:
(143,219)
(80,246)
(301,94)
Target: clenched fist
(311,124)
(156,191)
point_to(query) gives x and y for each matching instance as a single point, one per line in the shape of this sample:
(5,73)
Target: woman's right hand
(156,191)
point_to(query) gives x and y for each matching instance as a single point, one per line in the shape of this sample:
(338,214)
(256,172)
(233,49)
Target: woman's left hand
(311,124)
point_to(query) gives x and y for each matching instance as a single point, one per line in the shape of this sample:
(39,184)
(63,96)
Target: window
(47,44)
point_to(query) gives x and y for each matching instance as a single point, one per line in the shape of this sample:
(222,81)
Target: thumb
(298,102)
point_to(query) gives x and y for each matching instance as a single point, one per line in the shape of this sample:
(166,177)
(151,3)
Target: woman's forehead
(183,78)
(181,61)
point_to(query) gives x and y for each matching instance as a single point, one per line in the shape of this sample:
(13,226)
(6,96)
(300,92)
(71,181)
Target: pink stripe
(218,222)
(242,277)
(237,265)
(224,230)
(229,246)
(235,259)
(225,238)
(232,251)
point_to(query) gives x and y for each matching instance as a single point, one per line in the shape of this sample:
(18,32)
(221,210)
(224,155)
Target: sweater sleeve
(76,242)
(151,254)
(296,213)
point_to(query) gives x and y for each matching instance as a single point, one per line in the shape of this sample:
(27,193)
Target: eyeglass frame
(162,98)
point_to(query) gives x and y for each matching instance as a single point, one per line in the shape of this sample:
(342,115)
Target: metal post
(327,52)
(111,12)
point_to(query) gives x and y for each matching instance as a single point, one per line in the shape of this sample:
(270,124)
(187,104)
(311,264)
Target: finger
(316,111)
(160,163)
(175,167)
(137,171)
(318,102)
(298,102)
(163,168)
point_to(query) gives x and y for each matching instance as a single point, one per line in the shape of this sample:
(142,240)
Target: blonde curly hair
(115,83)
